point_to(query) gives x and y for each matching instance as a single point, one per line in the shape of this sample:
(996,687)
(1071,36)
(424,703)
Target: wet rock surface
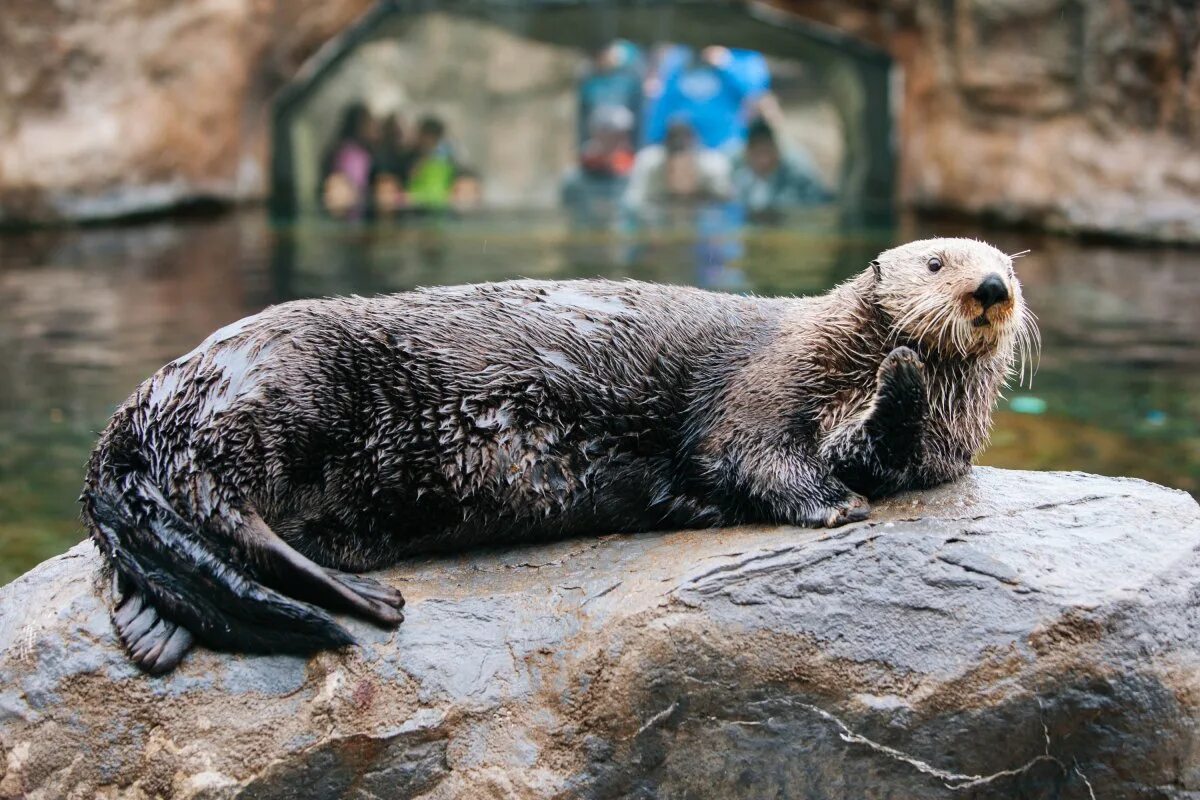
(1015,634)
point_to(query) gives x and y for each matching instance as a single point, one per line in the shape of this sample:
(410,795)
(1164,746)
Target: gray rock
(1014,635)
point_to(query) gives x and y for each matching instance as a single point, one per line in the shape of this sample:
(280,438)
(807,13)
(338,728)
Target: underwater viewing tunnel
(524,105)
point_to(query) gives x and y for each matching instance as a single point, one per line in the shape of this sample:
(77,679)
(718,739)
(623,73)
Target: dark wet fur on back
(232,490)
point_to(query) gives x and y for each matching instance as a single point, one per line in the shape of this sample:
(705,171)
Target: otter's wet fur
(238,487)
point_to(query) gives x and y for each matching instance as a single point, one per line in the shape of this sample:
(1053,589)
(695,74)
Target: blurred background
(168,167)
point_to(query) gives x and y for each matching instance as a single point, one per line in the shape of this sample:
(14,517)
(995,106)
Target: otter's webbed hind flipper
(174,578)
(875,455)
(369,588)
(780,482)
(292,573)
(155,644)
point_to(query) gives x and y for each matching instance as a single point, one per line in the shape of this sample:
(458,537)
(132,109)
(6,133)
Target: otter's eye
(935,264)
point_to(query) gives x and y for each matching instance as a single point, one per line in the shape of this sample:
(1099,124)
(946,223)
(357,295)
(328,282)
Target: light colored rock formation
(1080,117)
(110,108)
(1015,634)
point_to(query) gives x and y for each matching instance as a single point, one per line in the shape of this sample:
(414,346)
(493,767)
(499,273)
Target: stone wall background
(1065,114)
(1059,113)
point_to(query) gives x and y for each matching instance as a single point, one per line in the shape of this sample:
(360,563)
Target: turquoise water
(86,314)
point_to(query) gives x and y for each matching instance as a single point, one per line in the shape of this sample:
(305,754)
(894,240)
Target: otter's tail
(176,584)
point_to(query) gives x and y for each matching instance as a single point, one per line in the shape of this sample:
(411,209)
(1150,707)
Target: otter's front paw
(902,354)
(901,369)
(900,395)
(854,508)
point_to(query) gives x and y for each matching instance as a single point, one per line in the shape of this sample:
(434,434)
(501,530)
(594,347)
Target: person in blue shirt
(714,93)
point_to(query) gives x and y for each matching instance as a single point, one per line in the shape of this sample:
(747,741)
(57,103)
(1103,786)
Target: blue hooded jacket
(710,98)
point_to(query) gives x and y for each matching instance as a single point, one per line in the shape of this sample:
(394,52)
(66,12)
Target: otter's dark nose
(991,291)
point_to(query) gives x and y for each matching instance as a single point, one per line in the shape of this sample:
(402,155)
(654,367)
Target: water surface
(85,315)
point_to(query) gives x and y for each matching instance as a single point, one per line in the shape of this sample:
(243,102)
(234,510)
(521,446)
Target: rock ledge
(1015,634)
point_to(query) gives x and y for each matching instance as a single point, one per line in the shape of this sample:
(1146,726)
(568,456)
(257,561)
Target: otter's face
(954,296)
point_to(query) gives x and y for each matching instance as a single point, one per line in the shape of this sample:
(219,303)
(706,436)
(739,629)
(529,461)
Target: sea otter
(239,487)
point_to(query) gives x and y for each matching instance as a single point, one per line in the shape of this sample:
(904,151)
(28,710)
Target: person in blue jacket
(714,92)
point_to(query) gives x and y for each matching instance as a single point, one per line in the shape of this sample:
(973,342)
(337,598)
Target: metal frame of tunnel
(872,65)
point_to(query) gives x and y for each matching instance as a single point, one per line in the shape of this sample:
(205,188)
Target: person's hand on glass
(389,194)
(339,195)
(716,56)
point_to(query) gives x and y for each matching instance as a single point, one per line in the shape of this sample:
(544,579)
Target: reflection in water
(86,315)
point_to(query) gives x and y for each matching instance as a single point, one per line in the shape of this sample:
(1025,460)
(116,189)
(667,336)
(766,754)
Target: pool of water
(86,314)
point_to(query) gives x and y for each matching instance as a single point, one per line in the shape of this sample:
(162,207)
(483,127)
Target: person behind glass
(347,167)
(613,79)
(593,190)
(608,151)
(467,193)
(767,179)
(713,91)
(678,171)
(432,169)
(392,161)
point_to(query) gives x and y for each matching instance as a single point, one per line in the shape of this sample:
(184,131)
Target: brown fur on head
(957,297)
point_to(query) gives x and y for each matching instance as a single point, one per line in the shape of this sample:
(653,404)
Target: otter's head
(957,297)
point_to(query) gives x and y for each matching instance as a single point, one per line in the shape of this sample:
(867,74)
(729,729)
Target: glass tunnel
(544,105)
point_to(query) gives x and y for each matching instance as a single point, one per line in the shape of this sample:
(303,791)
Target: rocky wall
(1076,116)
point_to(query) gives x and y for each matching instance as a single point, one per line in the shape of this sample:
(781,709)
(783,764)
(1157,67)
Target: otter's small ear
(878,270)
